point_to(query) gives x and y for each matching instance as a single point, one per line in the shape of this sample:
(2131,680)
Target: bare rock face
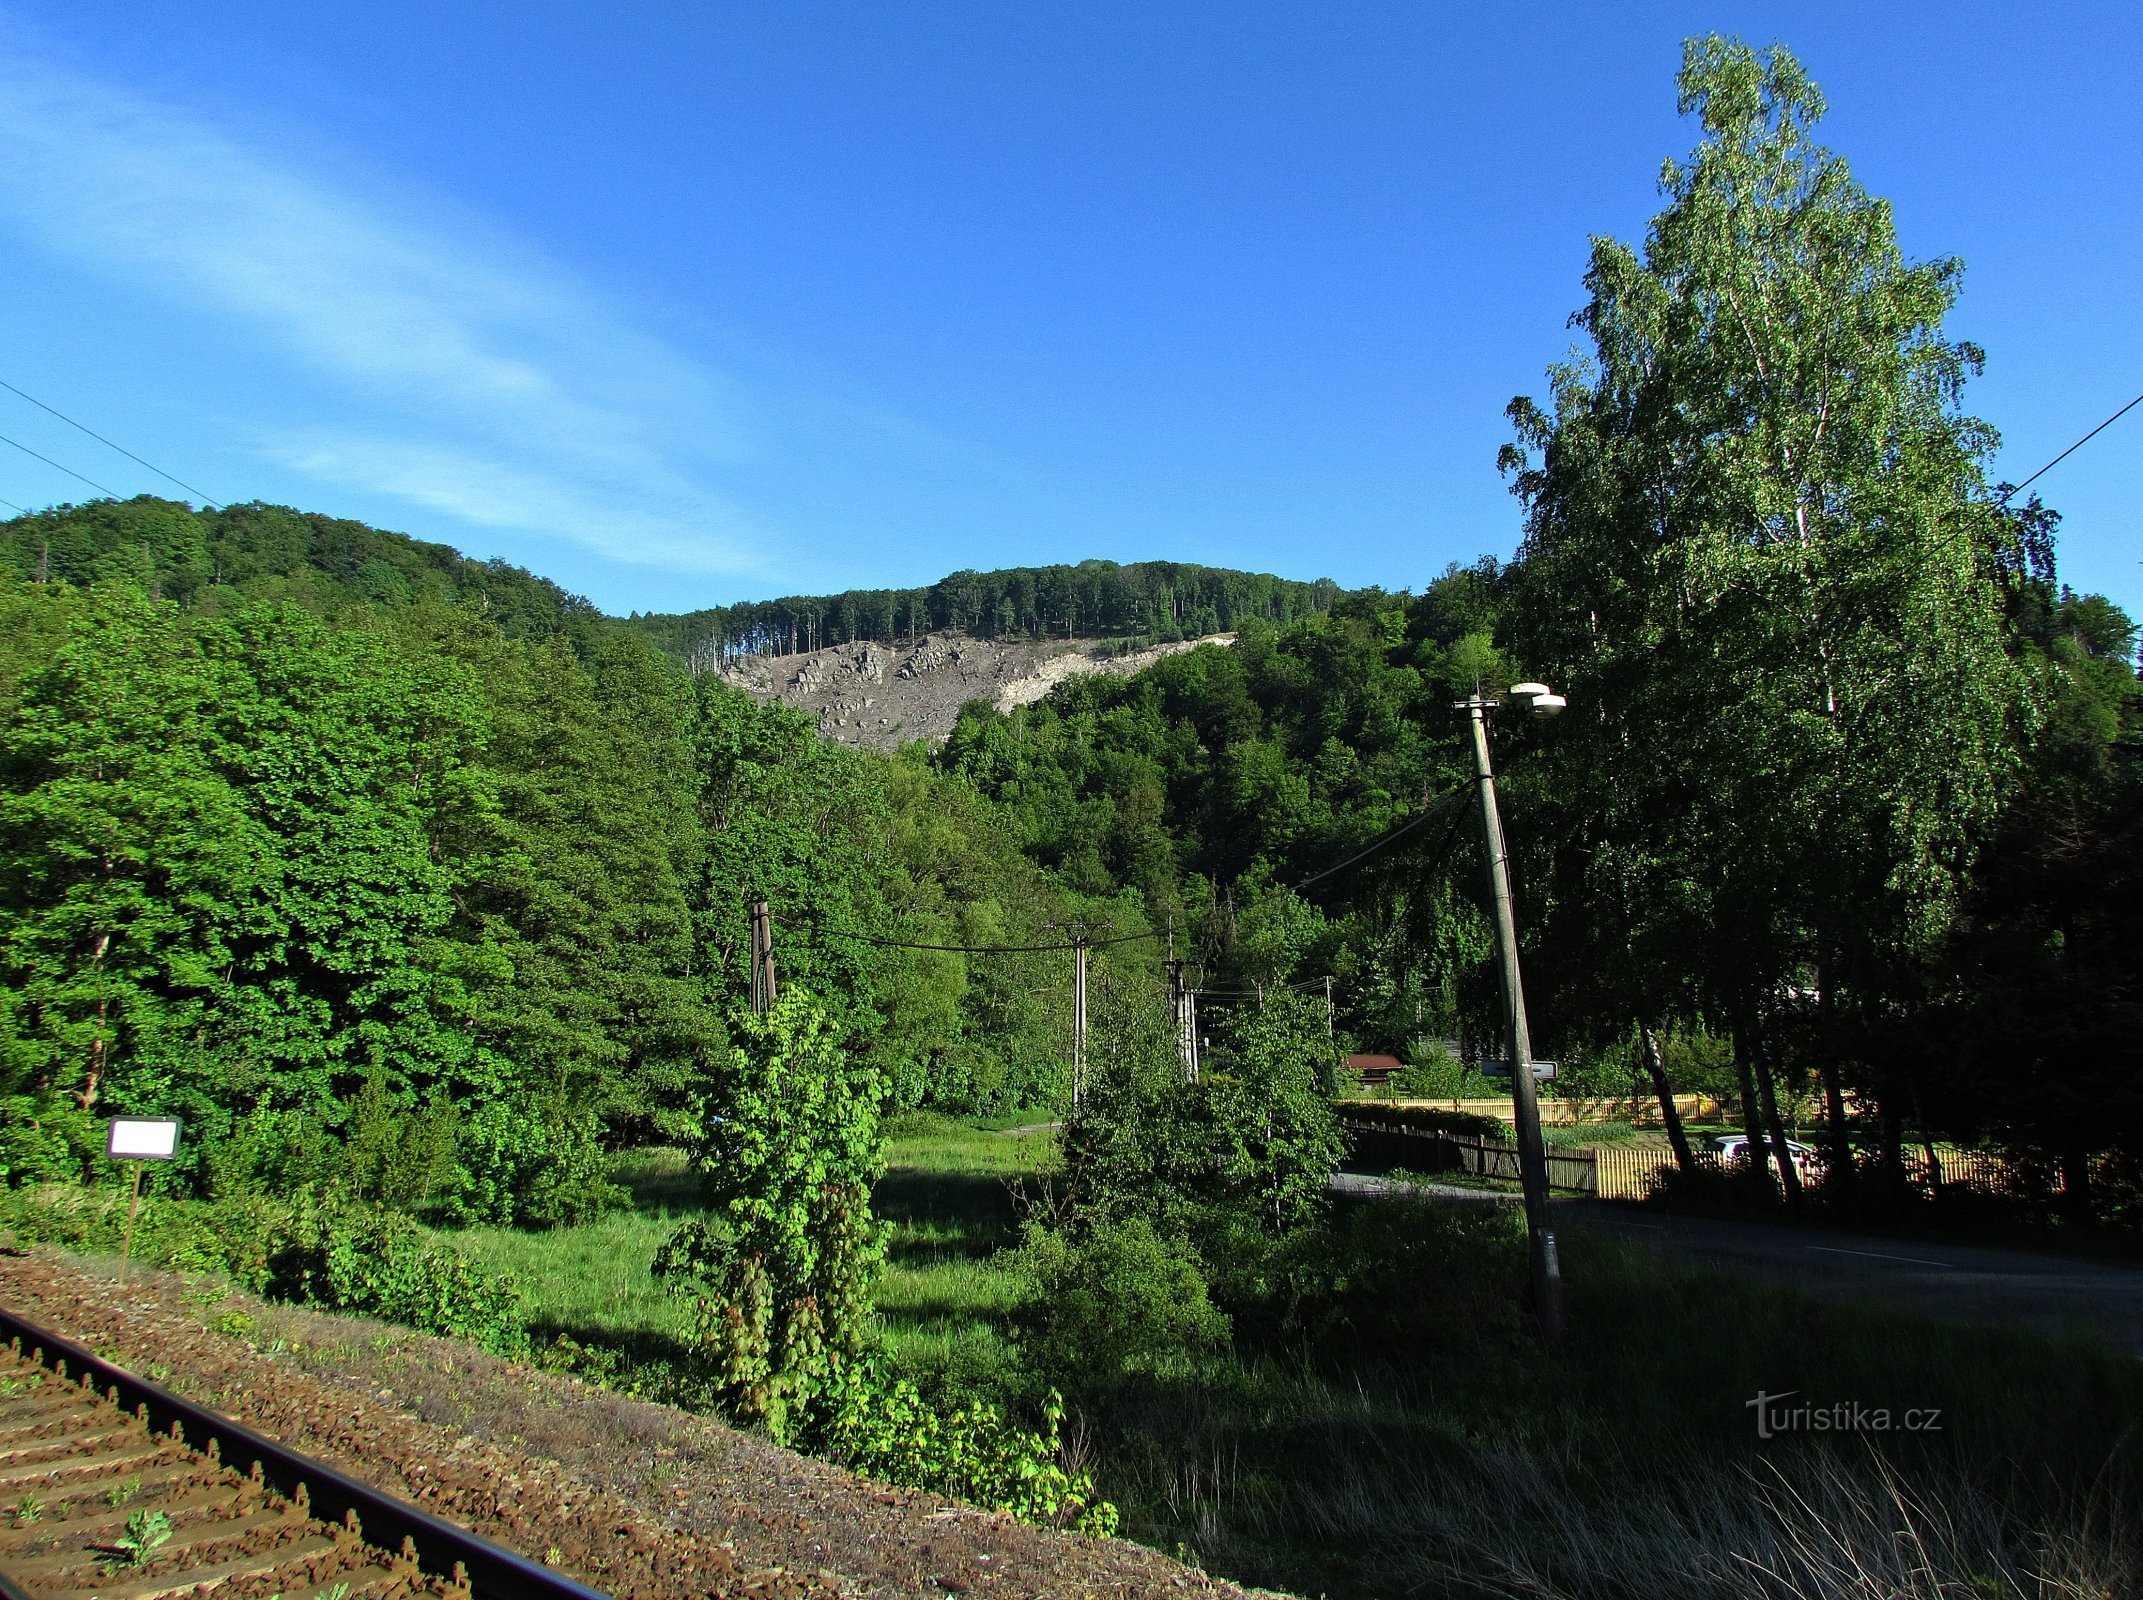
(879,696)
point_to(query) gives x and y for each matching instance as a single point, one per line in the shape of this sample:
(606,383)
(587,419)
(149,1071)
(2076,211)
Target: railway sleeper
(80,1519)
(250,1530)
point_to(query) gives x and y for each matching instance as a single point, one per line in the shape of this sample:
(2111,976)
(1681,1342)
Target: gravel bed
(642,1501)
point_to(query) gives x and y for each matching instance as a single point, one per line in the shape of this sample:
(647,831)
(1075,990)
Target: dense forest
(333,843)
(1146,601)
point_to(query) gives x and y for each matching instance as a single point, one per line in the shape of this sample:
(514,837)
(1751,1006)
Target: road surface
(2053,1294)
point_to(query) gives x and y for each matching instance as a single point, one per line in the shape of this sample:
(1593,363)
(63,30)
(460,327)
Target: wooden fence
(1423,1151)
(1619,1172)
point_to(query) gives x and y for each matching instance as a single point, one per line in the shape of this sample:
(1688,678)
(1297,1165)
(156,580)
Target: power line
(14,507)
(992,949)
(122,449)
(1392,837)
(2071,450)
(48,461)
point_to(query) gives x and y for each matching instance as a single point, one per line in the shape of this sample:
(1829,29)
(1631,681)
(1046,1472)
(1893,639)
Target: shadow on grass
(660,1183)
(968,1217)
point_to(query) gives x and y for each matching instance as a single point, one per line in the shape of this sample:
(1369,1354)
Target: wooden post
(126,1245)
(762,956)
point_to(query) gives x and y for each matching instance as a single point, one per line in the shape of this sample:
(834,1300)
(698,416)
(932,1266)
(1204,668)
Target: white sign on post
(139,1139)
(143,1138)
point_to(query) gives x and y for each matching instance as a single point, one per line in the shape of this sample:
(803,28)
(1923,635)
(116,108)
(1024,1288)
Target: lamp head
(1545,702)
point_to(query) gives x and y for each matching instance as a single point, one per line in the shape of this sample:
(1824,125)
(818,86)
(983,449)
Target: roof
(1370,1063)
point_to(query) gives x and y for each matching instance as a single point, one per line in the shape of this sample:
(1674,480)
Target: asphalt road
(2053,1294)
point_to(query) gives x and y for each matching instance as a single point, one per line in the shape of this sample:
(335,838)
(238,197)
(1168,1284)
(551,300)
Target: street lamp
(1547,1272)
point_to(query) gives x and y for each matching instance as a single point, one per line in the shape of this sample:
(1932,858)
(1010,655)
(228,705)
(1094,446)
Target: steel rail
(491,1573)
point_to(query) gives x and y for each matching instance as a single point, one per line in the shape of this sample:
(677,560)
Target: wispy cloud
(496,389)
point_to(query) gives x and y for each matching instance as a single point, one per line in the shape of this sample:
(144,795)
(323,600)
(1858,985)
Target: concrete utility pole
(762,958)
(1183,1012)
(1082,935)
(1078,1019)
(1547,1273)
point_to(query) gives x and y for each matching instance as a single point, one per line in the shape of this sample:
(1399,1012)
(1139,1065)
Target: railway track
(113,1489)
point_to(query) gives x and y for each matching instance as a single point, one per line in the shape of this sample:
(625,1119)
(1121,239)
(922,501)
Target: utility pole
(1331,1031)
(1183,1012)
(1082,934)
(762,958)
(1547,1273)
(1078,1018)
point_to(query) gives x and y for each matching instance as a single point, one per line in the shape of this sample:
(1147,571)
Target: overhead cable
(993,949)
(122,449)
(2071,450)
(48,461)
(1392,837)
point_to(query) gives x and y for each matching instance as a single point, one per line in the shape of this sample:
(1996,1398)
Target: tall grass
(942,1299)
(1417,1441)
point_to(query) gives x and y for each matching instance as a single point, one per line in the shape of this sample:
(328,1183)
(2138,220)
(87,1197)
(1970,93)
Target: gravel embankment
(642,1501)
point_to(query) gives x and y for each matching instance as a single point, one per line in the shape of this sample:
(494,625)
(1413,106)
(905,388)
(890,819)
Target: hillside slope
(880,697)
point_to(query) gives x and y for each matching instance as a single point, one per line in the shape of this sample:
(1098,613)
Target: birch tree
(1757,536)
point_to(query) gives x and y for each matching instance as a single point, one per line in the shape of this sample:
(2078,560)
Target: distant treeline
(1160,600)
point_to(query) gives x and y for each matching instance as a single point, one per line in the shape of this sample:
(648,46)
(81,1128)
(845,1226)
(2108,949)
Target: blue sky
(684,304)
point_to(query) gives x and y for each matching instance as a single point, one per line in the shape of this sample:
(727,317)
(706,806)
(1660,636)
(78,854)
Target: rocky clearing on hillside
(879,697)
(639,1500)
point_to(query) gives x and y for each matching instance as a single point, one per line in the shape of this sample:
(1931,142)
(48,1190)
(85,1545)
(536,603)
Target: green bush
(536,1164)
(1118,1300)
(45,1138)
(331,1253)
(781,1265)
(377,1263)
(882,1426)
(1434,1074)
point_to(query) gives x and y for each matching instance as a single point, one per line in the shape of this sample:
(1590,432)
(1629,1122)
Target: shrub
(45,1138)
(348,1258)
(1253,1142)
(1434,1073)
(1117,1300)
(882,1426)
(329,1253)
(537,1163)
(782,1266)
(1429,1119)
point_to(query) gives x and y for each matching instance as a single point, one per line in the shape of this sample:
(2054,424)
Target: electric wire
(14,507)
(2071,450)
(992,949)
(1392,837)
(122,449)
(48,461)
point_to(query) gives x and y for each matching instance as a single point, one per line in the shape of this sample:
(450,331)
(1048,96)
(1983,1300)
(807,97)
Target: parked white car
(1732,1149)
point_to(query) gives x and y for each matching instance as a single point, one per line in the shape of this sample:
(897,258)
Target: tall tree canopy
(1757,558)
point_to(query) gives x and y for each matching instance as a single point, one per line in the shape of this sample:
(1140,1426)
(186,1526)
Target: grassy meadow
(946,1198)
(1423,1443)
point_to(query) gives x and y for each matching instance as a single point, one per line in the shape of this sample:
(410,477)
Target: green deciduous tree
(1756,562)
(781,1267)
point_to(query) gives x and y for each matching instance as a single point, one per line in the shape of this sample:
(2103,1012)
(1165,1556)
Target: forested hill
(418,876)
(272,553)
(1150,601)
(323,838)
